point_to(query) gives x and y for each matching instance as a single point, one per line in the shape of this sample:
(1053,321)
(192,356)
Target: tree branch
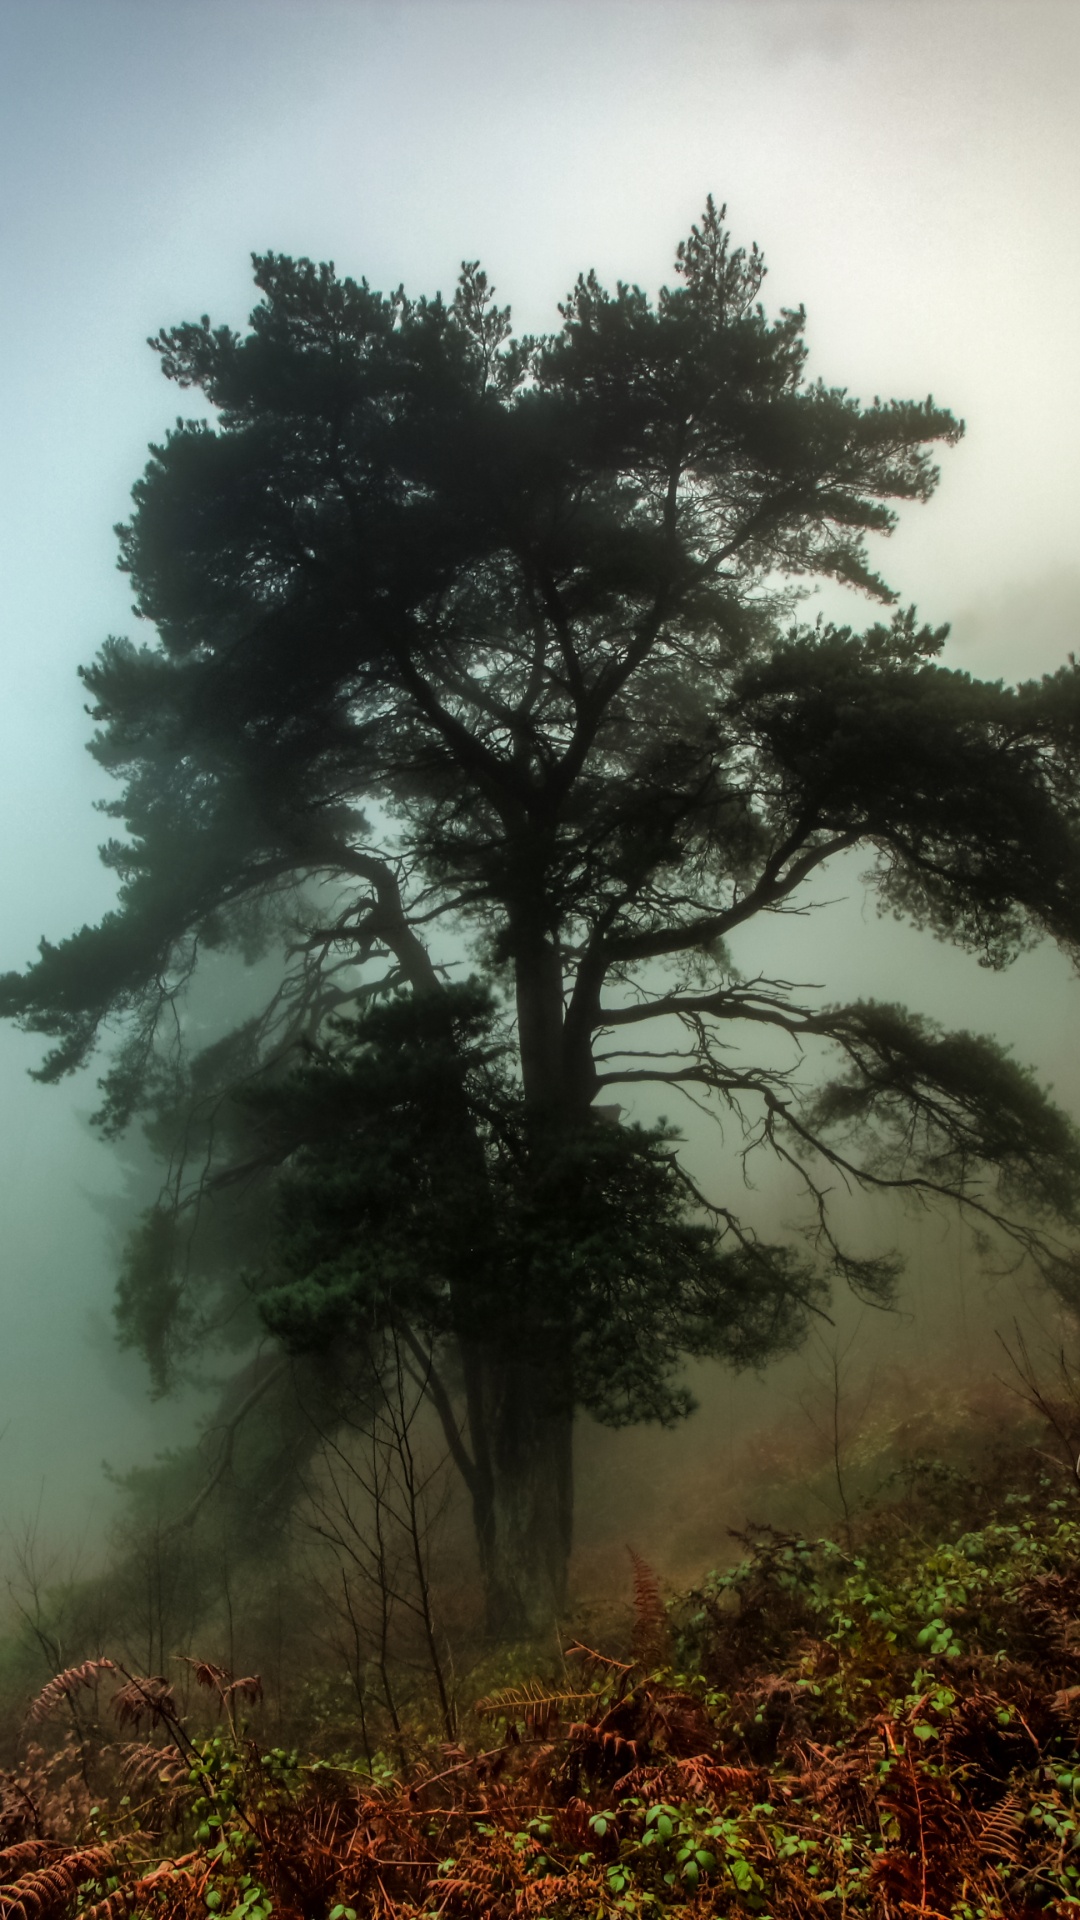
(431,1383)
(229,1428)
(656,942)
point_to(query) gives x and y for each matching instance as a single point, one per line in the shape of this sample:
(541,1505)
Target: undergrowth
(888,1727)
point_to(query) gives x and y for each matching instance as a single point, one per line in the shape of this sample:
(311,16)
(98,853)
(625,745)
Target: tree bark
(539,994)
(523,1500)
(521,1407)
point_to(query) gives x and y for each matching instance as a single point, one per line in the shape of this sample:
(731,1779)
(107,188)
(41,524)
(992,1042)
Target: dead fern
(25,1853)
(207,1674)
(51,1887)
(651,1640)
(157,1780)
(796,1788)
(227,1686)
(45,1797)
(600,1665)
(1052,1607)
(149,1698)
(171,1890)
(144,1765)
(536,1707)
(999,1837)
(249,1687)
(62,1688)
(932,1854)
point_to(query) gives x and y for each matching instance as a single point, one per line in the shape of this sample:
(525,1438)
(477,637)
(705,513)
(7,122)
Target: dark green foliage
(385,1221)
(149,1294)
(392,492)
(965,788)
(939,1100)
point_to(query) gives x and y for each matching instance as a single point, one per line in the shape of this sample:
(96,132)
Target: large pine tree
(476,656)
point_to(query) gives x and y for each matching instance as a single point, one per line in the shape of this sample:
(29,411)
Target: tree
(481,651)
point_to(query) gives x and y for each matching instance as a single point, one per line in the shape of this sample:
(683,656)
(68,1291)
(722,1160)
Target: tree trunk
(539,993)
(521,1408)
(521,1421)
(520,1405)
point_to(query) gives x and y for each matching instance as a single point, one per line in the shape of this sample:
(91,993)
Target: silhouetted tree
(480,650)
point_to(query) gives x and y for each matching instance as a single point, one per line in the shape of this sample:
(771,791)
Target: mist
(911,174)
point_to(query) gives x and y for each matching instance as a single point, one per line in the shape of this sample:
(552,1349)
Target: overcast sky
(912,172)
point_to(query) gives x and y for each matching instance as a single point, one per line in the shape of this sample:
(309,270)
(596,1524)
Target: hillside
(885,1726)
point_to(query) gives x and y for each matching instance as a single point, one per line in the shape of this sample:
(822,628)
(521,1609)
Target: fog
(912,175)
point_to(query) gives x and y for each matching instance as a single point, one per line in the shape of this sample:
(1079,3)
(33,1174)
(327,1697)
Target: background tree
(478,651)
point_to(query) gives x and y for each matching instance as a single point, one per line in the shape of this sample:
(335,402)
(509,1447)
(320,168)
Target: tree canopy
(479,698)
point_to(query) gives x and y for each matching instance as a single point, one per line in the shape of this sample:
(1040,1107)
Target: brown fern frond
(935,1853)
(601,1662)
(698,1775)
(538,1707)
(1051,1606)
(141,1761)
(216,1679)
(825,1775)
(695,1778)
(999,1834)
(23,1854)
(90,1863)
(169,1875)
(147,1698)
(61,1689)
(158,1772)
(611,1744)
(50,1889)
(249,1687)
(651,1640)
(121,1901)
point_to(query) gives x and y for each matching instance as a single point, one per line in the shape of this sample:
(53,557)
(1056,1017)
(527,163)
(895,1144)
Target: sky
(911,169)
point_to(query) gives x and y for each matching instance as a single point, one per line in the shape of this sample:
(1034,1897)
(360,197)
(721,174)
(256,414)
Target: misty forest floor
(885,1724)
